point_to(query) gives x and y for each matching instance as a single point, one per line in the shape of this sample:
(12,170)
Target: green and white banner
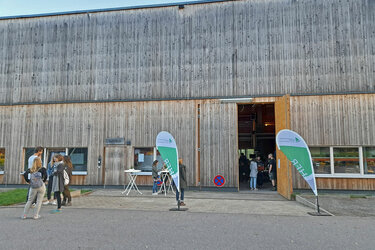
(296,150)
(166,145)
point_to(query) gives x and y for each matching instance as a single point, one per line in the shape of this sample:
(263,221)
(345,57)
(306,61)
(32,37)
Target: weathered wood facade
(73,80)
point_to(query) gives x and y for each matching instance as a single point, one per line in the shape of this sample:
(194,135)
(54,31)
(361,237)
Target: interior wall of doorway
(256,137)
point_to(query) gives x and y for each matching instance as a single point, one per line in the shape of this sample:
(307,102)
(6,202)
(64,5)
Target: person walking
(183,183)
(155,177)
(38,175)
(58,180)
(50,181)
(68,167)
(253,174)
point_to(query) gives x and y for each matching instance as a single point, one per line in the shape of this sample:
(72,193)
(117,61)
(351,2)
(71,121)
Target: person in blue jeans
(253,174)
(155,177)
(183,183)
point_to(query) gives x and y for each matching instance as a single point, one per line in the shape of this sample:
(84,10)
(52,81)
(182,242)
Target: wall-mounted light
(236,100)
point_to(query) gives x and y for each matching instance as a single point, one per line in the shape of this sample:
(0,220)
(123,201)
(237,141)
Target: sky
(29,7)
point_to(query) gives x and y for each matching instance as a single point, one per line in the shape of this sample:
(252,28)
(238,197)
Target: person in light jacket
(183,183)
(253,174)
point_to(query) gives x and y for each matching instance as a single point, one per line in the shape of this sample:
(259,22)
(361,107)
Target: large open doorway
(256,138)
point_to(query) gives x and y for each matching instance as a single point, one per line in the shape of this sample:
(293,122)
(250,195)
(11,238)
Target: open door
(114,165)
(284,171)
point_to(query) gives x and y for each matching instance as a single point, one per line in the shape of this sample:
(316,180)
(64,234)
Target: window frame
(3,171)
(155,150)
(361,173)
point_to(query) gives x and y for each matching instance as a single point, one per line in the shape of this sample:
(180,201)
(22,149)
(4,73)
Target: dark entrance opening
(256,138)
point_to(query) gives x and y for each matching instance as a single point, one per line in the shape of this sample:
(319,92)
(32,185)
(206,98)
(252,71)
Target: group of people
(183,183)
(255,169)
(58,174)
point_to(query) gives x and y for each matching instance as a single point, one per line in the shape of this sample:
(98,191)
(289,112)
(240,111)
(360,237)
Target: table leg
(126,189)
(135,185)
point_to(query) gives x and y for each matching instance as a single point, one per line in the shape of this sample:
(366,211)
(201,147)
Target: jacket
(183,182)
(42,170)
(58,178)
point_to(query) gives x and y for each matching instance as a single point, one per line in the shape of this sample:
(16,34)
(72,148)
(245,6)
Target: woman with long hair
(155,177)
(58,180)
(38,176)
(68,166)
(50,181)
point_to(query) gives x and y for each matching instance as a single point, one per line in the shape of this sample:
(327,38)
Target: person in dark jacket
(68,166)
(155,177)
(38,175)
(183,183)
(58,180)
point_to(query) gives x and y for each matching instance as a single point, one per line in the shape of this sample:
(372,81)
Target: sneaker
(54,202)
(33,205)
(182,203)
(55,211)
(154,193)
(46,202)
(24,216)
(69,204)
(36,217)
(63,203)
(255,189)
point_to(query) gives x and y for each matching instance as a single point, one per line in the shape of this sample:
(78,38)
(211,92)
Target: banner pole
(317,204)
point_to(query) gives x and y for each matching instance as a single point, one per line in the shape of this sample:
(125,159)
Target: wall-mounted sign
(115,141)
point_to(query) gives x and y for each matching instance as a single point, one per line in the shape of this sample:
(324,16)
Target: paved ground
(107,219)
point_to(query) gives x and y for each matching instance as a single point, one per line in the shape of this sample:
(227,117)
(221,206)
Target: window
(79,158)
(143,158)
(2,160)
(321,160)
(346,160)
(369,160)
(339,161)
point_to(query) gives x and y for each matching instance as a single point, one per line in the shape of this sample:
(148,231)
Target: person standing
(272,170)
(50,181)
(183,183)
(155,177)
(38,175)
(253,174)
(58,180)
(68,167)
(37,153)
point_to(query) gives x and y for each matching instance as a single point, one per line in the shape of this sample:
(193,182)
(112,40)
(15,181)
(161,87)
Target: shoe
(182,203)
(36,217)
(54,202)
(69,204)
(33,205)
(63,203)
(154,193)
(46,202)
(55,211)
(255,189)
(24,216)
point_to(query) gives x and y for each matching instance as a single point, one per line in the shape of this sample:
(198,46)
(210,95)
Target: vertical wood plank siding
(335,120)
(87,125)
(218,143)
(219,49)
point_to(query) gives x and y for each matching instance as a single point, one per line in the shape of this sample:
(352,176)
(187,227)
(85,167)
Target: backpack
(36,180)
(66,178)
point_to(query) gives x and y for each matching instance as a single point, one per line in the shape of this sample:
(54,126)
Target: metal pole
(317,204)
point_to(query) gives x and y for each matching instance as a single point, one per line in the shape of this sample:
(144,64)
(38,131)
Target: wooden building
(99,85)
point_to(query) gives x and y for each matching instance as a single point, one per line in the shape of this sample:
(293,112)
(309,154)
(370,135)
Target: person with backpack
(58,180)
(38,175)
(68,167)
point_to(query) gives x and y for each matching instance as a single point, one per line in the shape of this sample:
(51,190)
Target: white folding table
(165,177)
(132,173)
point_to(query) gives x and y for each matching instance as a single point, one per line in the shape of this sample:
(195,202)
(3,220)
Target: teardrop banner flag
(296,150)
(167,147)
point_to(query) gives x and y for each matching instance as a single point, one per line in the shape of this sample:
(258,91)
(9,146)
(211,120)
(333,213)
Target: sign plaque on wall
(115,141)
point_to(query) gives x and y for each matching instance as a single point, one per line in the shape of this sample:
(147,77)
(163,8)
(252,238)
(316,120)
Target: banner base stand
(176,209)
(318,214)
